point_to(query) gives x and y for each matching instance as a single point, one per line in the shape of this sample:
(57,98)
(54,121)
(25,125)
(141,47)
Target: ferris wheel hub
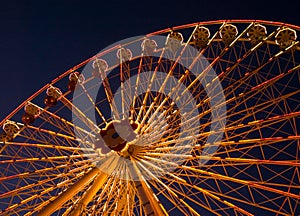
(117,134)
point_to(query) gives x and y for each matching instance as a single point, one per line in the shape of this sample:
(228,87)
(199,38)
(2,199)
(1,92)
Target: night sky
(42,39)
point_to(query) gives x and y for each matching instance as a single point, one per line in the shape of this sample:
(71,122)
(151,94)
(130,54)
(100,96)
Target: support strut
(150,202)
(89,195)
(70,192)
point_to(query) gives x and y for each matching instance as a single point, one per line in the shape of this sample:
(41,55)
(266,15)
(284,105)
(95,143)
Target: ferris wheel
(198,119)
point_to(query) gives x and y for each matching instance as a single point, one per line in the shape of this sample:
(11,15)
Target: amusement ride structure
(202,119)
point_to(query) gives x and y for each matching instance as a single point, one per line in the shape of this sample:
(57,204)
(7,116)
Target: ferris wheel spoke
(110,196)
(262,123)
(44,171)
(46,201)
(263,105)
(249,201)
(120,199)
(28,146)
(43,183)
(33,128)
(100,197)
(261,108)
(261,86)
(246,142)
(79,114)
(87,94)
(45,157)
(204,49)
(38,195)
(271,181)
(238,37)
(44,135)
(180,80)
(286,199)
(64,125)
(143,106)
(130,193)
(126,92)
(38,174)
(145,64)
(267,83)
(108,91)
(173,65)
(241,161)
(61,159)
(247,54)
(234,162)
(177,192)
(216,198)
(254,90)
(244,182)
(174,199)
(108,186)
(149,200)
(185,183)
(159,64)
(166,144)
(190,119)
(264,84)
(211,64)
(244,151)
(153,166)
(119,202)
(125,203)
(243,139)
(251,92)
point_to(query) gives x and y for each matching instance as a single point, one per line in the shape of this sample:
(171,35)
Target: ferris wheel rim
(74,68)
(217,162)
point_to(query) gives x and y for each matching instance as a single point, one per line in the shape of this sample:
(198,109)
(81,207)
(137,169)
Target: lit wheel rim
(254,171)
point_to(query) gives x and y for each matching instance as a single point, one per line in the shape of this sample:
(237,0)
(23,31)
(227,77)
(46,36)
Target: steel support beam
(150,202)
(90,194)
(70,192)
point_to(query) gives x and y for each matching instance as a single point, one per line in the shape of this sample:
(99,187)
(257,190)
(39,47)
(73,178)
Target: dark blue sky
(42,39)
